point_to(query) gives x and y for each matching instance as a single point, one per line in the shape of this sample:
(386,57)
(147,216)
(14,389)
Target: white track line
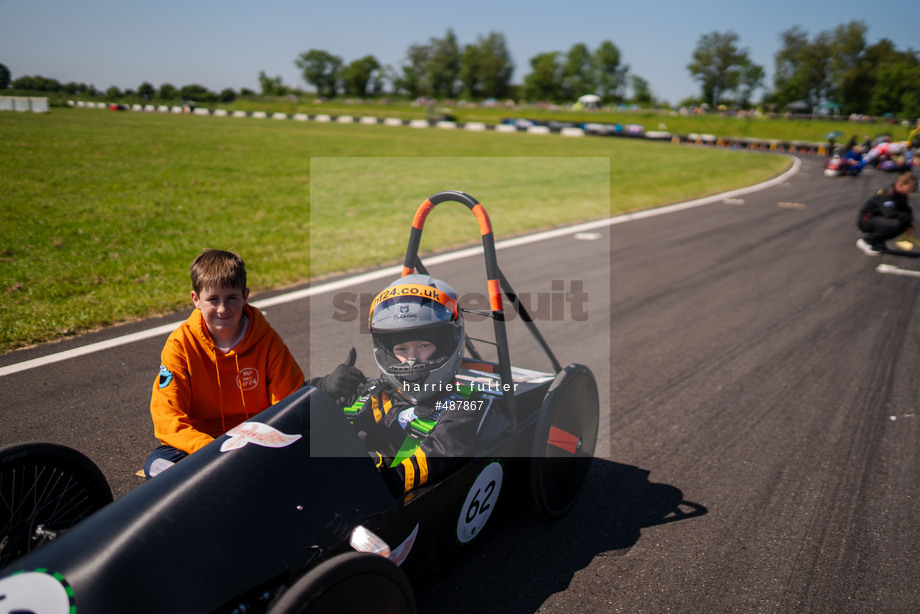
(890,269)
(393,271)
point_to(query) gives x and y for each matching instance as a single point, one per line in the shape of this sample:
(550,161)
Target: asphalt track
(763,418)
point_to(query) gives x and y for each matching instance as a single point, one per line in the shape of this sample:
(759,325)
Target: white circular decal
(35,591)
(247,379)
(479,502)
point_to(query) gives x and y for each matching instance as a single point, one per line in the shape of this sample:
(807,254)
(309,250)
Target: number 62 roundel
(479,502)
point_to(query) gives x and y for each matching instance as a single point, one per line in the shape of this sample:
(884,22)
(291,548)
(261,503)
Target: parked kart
(286,513)
(850,164)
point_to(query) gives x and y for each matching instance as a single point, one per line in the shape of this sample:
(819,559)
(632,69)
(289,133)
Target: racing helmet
(417,308)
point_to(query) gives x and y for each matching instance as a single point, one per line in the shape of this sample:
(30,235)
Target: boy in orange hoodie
(222,366)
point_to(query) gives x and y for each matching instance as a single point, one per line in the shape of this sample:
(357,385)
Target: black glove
(342,384)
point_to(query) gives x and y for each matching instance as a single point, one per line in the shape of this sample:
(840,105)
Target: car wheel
(351,582)
(44,490)
(564,441)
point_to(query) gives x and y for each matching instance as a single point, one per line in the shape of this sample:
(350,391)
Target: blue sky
(226,44)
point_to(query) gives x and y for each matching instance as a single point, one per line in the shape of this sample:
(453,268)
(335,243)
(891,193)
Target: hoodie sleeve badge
(166,376)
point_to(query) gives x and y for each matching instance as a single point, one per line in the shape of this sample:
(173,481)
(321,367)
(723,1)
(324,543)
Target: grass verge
(103,211)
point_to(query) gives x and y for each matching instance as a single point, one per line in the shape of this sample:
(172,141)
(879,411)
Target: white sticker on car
(400,552)
(257,433)
(479,502)
(36,592)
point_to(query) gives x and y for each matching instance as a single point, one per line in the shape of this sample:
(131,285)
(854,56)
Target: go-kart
(838,165)
(287,512)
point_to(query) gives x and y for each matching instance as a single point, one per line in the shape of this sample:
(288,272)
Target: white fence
(22,103)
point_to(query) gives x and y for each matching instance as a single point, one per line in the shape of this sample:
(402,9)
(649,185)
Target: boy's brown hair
(907,177)
(217,268)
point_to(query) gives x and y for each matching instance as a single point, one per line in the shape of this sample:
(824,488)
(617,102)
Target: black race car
(287,512)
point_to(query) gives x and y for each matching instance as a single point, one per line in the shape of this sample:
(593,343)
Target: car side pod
(564,441)
(258,507)
(349,582)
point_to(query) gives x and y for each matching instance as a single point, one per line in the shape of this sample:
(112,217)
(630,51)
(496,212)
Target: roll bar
(496,282)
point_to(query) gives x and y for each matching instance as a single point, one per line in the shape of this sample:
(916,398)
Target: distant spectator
(854,160)
(914,137)
(850,145)
(886,215)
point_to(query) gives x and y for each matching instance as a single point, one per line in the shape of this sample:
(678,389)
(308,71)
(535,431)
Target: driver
(417,421)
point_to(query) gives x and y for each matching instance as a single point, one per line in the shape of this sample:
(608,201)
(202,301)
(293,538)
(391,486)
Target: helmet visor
(444,337)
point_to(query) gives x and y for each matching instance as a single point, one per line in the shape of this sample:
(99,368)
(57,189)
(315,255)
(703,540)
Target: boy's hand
(343,383)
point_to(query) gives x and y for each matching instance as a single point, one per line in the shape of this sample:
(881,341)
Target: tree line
(442,68)
(840,66)
(837,68)
(145,91)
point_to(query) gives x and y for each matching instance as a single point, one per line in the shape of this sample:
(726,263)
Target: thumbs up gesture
(343,383)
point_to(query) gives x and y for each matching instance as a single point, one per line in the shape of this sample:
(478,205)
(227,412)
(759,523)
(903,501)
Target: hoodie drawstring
(220,396)
(242,395)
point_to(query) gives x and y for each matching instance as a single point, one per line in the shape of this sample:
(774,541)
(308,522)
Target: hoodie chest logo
(248,378)
(257,433)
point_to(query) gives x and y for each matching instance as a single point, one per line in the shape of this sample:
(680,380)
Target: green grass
(519,193)
(103,212)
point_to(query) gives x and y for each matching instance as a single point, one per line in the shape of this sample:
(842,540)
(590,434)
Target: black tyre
(44,490)
(351,582)
(564,441)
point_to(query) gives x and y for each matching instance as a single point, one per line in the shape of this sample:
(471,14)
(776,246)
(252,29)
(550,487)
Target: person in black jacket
(417,421)
(886,215)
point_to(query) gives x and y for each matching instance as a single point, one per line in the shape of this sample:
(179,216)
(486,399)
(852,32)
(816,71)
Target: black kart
(287,513)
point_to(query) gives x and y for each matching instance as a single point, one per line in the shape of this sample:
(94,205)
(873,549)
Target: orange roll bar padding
(495,295)
(485,224)
(424,209)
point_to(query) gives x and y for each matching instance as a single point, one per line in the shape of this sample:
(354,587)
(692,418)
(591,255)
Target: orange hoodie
(202,392)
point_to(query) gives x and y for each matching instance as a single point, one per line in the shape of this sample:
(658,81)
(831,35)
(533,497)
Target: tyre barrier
(566,129)
(752,144)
